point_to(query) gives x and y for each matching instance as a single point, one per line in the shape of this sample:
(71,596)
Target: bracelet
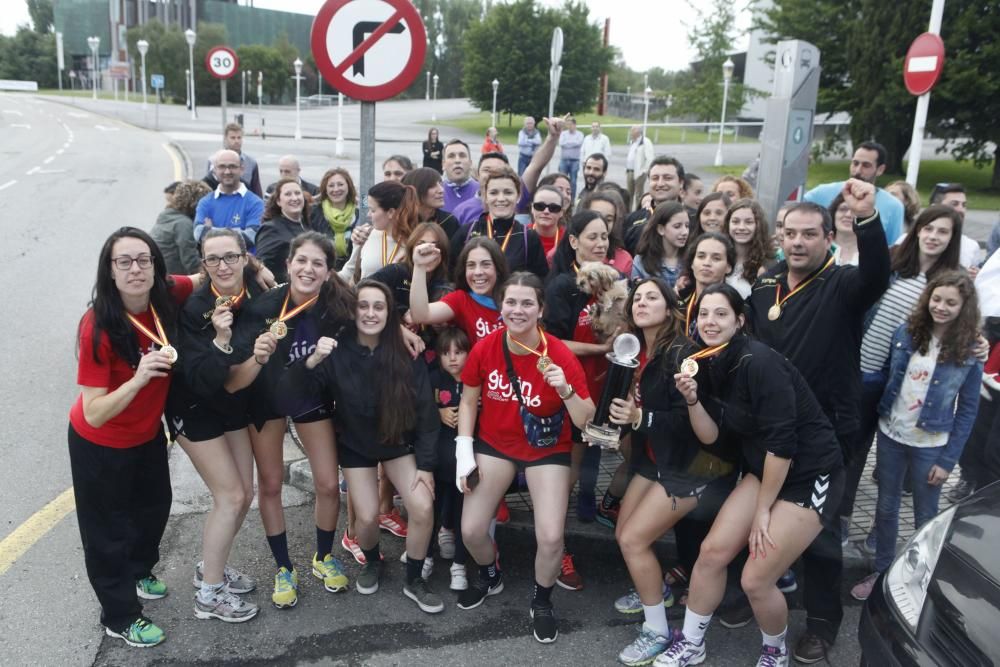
(226,349)
(638,420)
(258,361)
(568,395)
(690,405)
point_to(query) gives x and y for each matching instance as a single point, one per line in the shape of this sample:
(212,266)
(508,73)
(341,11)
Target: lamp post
(727,74)
(94,43)
(187,87)
(427,92)
(493,116)
(645,109)
(143,47)
(243,90)
(298,107)
(434,103)
(190,36)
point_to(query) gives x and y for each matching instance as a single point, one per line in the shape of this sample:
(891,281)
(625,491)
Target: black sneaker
(474,595)
(367,581)
(543,623)
(738,614)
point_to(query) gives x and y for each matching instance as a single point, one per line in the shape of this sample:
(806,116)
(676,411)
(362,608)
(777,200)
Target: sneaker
(737,615)
(503,513)
(681,653)
(586,510)
(864,588)
(393,522)
(150,588)
(367,581)
(644,649)
(286,587)
(543,623)
(772,656)
(225,606)
(420,592)
(352,547)
(331,571)
(446,543)
(426,571)
(608,517)
(235,581)
(459,581)
(811,649)
(631,604)
(141,634)
(962,490)
(867,545)
(569,578)
(786,582)
(474,595)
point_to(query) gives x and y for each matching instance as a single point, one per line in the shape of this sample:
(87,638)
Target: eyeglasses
(541,206)
(227,167)
(229,258)
(124,262)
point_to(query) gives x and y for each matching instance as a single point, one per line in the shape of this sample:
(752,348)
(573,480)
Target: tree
(42,16)
(511,44)
(29,56)
(270,61)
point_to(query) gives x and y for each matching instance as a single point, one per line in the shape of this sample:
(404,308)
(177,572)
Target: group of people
(454,344)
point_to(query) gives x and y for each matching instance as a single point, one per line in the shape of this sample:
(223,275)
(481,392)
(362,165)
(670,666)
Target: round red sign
(222,62)
(923,64)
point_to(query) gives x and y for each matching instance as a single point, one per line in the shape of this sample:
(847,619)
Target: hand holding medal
(155,364)
(160,337)
(278,328)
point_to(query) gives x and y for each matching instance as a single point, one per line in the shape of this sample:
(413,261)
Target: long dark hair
(692,250)
(402,198)
(439,274)
(499,264)
(956,345)
(422,179)
(671,330)
(109,309)
(565,256)
(339,299)
(906,258)
(616,233)
(396,411)
(650,245)
(272,207)
(760,253)
(696,229)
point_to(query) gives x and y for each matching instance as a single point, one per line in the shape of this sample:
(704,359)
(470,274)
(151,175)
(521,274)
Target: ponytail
(402,198)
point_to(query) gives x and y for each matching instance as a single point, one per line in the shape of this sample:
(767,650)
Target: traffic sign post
(156,81)
(370,50)
(222,63)
(921,70)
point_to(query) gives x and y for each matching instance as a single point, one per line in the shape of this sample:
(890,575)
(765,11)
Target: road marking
(77,114)
(60,151)
(106,128)
(13,112)
(178,167)
(39,170)
(24,125)
(7,185)
(48,159)
(41,522)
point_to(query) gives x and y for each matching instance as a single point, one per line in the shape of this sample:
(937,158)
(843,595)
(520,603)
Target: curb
(184,157)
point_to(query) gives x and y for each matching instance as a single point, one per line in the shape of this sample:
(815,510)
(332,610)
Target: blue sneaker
(787,583)
(644,649)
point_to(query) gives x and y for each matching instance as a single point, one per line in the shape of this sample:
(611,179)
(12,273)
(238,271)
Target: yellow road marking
(178,168)
(24,536)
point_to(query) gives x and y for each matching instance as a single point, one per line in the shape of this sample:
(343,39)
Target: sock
(656,619)
(279,549)
(543,596)
(695,626)
(414,567)
(372,555)
(488,573)
(324,542)
(609,500)
(209,591)
(777,641)
(493,528)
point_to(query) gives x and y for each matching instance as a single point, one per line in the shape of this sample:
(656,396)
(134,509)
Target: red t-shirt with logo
(595,366)
(475,319)
(138,423)
(500,423)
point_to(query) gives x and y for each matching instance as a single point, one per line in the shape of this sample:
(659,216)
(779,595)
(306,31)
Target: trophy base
(605,437)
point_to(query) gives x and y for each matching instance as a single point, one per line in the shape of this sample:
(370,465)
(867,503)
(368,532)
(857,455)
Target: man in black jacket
(812,310)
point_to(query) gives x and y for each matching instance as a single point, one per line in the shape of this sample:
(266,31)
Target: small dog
(610,291)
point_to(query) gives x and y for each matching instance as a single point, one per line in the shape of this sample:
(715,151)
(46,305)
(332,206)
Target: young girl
(746,225)
(711,214)
(710,259)
(927,408)
(661,246)
(844,237)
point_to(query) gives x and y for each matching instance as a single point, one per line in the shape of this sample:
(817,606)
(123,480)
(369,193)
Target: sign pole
(923,102)
(222,88)
(367,174)
(156,121)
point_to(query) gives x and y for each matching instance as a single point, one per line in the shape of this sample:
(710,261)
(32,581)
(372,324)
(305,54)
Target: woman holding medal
(710,259)
(392,215)
(792,479)
(278,328)
(532,387)
(117,446)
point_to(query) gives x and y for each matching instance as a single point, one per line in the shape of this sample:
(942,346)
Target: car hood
(975,532)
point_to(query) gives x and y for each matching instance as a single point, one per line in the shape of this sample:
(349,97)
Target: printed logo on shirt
(300,349)
(484,328)
(498,388)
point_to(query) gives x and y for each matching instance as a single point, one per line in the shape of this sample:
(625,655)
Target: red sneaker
(569,578)
(393,522)
(351,546)
(503,513)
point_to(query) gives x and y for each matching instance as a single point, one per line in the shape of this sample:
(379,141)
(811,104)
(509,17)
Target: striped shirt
(893,309)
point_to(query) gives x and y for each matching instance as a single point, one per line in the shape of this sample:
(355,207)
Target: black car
(939,602)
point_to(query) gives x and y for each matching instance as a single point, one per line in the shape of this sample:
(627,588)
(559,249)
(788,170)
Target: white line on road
(60,151)
(24,125)
(48,159)
(13,112)
(7,185)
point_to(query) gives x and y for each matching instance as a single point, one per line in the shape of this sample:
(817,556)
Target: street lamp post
(298,106)
(434,103)
(187,87)
(243,90)
(727,75)
(493,116)
(645,109)
(94,43)
(190,36)
(427,92)
(143,47)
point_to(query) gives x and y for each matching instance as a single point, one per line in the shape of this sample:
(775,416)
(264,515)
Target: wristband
(465,459)
(226,349)
(638,420)
(691,405)
(258,361)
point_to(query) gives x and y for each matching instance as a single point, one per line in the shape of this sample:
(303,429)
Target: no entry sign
(923,64)
(370,50)
(221,62)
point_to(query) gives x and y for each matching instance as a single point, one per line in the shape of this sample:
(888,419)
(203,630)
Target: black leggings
(448,499)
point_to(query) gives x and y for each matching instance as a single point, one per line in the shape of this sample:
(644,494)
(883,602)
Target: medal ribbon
(708,352)
(780,303)
(506,239)
(687,315)
(287,315)
(160,340)
(386,261)
(545,344)
(234,301)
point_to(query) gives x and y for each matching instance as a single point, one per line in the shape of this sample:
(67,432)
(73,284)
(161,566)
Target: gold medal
(171,353)
(774,312)
(279,329)
(543,363)
(689,367)
(223,301)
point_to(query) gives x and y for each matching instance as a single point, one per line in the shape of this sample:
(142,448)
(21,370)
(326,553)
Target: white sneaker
(772,656)
(681,654)
(459,581)
(446,543)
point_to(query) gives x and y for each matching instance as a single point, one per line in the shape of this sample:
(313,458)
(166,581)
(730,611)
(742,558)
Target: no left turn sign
(369,50)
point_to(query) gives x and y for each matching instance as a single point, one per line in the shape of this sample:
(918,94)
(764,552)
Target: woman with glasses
(126,347)
(286,215)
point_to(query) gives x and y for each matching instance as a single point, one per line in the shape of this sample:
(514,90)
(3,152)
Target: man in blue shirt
(528,141)
(570,145)
(867,165)
(231,204)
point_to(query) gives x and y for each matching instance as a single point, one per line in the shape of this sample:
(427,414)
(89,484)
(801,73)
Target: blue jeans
(522,162)
(570,167)
(893,460)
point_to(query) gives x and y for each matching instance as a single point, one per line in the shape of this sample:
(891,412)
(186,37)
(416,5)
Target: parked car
(939,602)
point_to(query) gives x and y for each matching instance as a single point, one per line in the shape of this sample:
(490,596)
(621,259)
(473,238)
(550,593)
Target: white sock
(493,528)
(695,626)
(656,619)
(208,591)
(777,641)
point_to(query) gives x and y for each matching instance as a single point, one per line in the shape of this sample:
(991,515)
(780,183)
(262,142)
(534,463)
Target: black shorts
(678,486)
(821,493)
(348,458)
(198,422)
(261,417)
(558,458)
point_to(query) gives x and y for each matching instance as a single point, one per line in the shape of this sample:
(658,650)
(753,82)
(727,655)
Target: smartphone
(472,479)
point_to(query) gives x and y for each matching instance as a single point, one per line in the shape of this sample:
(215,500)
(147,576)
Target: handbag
(541,432)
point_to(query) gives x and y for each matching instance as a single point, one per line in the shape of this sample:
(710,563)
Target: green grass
(476,123)
(102,94)
(975,180)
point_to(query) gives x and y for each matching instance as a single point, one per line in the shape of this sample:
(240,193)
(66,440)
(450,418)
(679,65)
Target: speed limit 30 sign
(221,62)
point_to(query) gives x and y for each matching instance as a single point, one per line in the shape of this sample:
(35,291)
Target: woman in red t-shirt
(117,446)
(526,381)
(547,217)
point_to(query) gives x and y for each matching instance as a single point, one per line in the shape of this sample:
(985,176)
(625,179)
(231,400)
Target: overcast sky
(649,33)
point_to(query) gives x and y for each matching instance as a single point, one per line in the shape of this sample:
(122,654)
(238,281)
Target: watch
(569,394)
